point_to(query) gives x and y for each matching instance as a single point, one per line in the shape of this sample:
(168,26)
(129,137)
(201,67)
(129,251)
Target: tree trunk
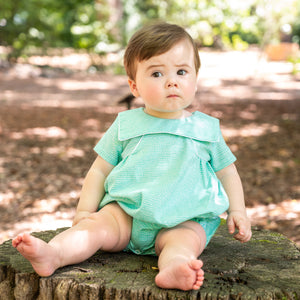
(267,267)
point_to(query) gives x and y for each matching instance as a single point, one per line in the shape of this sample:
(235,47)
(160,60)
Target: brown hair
(154,40)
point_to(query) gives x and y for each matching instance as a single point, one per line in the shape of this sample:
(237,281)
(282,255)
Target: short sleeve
(221,155)
(109,147)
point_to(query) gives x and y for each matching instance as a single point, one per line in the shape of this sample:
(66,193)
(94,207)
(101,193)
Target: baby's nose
(171,83)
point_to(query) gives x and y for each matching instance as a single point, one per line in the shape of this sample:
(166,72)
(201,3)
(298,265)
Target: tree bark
(267,267)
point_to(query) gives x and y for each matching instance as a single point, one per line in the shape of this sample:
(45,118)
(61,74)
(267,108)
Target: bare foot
(184,275)
(42,256)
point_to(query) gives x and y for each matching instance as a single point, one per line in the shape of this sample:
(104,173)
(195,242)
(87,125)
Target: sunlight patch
(250,130)
(48,132)
(65,152)
(74,85)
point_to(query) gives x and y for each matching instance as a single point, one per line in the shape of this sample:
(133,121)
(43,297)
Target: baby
(162,175)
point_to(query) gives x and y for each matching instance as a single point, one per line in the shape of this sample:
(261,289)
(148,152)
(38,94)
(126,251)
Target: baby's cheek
(190,90)
(153,93)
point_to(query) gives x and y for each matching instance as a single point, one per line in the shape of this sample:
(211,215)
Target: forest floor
(50,119)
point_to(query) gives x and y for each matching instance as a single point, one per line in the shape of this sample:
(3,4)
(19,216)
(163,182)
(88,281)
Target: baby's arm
(237,216)
(92,190)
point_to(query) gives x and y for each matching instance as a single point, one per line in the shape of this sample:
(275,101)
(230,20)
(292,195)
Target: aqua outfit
(164,172)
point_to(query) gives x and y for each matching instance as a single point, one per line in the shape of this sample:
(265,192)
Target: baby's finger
(230,225)
(239,237)
(241,230)
(248,236)
(245,237)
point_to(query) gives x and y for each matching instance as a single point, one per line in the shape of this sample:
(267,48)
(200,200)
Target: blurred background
(101,27)
(62,83)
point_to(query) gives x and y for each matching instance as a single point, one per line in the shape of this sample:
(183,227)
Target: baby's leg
(109,230)
(178,249)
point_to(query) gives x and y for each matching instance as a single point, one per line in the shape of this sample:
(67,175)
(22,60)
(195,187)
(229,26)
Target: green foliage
(47,23)
(104,26)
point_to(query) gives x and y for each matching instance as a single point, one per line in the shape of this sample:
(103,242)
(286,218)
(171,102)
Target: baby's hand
(239,220)
(79,216)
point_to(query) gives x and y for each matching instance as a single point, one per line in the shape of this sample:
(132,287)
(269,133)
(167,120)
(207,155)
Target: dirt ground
(50,119)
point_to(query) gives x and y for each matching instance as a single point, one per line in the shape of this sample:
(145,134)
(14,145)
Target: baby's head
(154,40)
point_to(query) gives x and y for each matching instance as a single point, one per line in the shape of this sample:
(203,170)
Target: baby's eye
(156,74)
(181,72)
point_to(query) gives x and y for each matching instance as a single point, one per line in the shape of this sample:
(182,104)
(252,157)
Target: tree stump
(267,267)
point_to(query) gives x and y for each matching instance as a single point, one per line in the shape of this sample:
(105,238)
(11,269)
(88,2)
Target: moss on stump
(267,267)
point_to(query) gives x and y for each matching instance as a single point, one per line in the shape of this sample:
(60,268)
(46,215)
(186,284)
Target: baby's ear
(133,87)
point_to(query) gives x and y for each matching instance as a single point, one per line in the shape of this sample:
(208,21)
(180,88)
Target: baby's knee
(93,219)
(117,217)
(195,232)
(88,221)
(189,232)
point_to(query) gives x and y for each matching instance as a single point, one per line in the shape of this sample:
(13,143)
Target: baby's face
(167,83)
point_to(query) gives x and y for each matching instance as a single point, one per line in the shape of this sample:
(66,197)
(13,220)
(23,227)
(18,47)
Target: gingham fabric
(164,170)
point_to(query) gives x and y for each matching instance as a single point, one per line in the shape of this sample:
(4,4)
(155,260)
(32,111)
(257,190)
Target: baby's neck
(185,114)
(173,115)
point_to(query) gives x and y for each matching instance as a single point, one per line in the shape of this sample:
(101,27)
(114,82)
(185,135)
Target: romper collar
(199,126)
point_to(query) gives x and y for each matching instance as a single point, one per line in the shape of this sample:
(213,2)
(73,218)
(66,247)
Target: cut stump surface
(267,267)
